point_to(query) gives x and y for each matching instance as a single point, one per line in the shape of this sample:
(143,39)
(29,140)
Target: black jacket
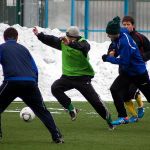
(143,43)
(55,42)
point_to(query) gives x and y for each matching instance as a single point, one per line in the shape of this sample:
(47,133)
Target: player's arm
(83,46)
(146,48)
(112,50)
(124,56)
(49,40)
(77,43)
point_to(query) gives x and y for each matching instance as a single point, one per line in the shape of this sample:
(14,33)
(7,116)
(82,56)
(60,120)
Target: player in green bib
(77,72)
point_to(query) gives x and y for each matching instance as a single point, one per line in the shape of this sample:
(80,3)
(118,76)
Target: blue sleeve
(112,47)
(124,55)
(34,67)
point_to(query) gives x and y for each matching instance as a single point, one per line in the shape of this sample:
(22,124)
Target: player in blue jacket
(21,80)
(132,68)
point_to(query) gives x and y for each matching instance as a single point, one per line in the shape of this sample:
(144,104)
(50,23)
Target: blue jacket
(128,57)
(17,63)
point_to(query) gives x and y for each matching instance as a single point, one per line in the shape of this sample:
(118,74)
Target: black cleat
(109,122)
(58,138)
(111,127)
(73,114)
(58,141)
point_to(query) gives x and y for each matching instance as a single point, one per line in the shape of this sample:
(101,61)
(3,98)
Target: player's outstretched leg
(120,120)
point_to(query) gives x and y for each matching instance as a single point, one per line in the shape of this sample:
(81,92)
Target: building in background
(24,12)
(11,12)
(90,15)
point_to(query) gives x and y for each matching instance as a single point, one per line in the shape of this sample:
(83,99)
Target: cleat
(58,140)
(109,122)
(133,119)
(111,127)
(73,114)
(140,112)
(120,120)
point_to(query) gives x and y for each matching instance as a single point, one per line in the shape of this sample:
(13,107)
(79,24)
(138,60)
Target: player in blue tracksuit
(127,50)
(132,68)
(21,80)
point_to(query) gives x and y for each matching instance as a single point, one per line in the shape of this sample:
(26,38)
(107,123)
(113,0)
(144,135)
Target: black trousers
(132,92)
(29,92)
(120,88)
(84,87)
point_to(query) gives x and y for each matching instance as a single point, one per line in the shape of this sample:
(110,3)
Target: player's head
(129,19)
(10,34)
(128,22)
(113,28)
(73,32)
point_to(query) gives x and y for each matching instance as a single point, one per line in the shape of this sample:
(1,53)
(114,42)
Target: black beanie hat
(113,26)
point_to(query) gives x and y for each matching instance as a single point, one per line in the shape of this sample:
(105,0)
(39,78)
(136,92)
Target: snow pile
(48,61)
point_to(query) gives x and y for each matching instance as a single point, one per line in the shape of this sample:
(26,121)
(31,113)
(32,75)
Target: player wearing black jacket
(76,72)
(144,46)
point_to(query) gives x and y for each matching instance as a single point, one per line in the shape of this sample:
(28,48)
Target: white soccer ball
(27,114)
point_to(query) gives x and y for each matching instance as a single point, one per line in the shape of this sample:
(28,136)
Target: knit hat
(113,26)
(73,31)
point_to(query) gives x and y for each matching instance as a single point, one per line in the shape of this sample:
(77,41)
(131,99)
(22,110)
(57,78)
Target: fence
(90,15)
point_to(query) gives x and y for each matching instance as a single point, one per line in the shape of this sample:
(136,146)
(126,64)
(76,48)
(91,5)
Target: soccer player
(132,69)
(21,80)
(144,46)
(77,71)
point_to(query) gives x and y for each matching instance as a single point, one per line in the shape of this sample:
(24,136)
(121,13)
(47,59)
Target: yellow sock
(131,108)
(139,100)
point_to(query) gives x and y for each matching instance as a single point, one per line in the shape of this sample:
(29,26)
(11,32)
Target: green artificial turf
(88,132)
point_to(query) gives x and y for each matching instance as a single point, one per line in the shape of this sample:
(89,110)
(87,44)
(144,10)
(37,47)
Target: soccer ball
(27,114)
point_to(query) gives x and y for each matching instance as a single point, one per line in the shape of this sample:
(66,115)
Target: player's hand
(35,31)
(112,53)
(104,57)
(65,40)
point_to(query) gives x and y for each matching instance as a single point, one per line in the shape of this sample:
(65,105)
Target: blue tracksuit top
(129,58)
(17,63)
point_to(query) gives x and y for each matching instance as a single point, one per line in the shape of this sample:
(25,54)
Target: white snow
(48,61)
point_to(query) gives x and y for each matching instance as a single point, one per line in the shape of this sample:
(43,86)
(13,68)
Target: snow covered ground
(48,61)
